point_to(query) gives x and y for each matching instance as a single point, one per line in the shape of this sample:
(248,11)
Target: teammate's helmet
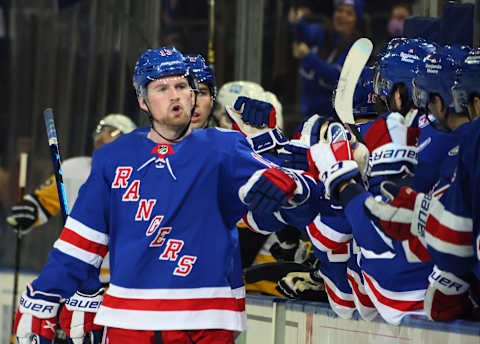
(467,85)
(364,96)
(118,121)
(202,72)
(436,75)
(158,63)
(457,53)
(399,65)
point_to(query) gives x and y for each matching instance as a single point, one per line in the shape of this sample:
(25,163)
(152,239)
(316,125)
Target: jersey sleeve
(47,196)
(450,228)
(76,256)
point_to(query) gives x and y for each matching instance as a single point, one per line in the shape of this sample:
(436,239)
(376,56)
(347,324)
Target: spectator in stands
(322,50)
(398,14)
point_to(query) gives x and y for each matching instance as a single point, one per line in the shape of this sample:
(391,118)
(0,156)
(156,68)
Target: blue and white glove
(267,190)
(256,112)
(77,315)
(36,318)
(260,138)
(332,159)
(294,155)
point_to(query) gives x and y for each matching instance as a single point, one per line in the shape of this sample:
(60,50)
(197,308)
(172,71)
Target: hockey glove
(36,317)
(256,112)
(76,318)
(303,286)
(405,215)
(332,160)
(447,296)
(392,145)
(261,139)
(269,189)
(24,214)
(294,155)
(284,251)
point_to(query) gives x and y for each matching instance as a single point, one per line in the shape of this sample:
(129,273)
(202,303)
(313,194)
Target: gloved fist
(332,160)
(269,189)
(256,112)
(76,318)
(294,155)
(303,285)
(447,296)
(24,214)
(260,139)
(36,317)
(392,145)
(405,215)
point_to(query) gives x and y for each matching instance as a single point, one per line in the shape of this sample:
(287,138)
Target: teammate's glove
(392,145)
(447,296)
(76,318)
(405,215)
(260,139)
(36,317)
(294,155)
(256,112)
(303,285)
(332,160)
(269,189)
(24,214)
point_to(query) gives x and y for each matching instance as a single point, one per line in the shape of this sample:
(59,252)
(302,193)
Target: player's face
(203,107)
(344,19)
(170,101)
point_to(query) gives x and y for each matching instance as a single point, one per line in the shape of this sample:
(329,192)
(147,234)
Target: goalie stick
(57,168)
(355,61)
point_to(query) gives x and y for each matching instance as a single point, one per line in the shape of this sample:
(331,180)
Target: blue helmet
(158,63)
(436,74)
(457,53)
(364,96)
(399,65)
(202,72)
(468,78)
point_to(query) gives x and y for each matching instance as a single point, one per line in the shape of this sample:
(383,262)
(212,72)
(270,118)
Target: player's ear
(142,104)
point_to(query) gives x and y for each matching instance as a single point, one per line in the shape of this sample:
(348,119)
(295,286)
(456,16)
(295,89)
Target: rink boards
(273,320)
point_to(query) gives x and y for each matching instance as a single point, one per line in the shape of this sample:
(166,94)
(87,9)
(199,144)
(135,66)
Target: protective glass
(460,98)
(381,85)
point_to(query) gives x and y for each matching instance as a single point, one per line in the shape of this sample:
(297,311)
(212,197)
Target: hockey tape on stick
(57,168)
(355,61)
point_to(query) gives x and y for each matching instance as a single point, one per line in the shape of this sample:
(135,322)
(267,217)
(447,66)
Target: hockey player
(450,227)
(207,92)
(145,201)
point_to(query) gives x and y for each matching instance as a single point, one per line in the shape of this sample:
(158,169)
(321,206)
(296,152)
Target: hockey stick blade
(355,61)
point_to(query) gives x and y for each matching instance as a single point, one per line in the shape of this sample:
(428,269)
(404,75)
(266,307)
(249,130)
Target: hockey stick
(57,168)
(22,182)
(211,33)
(355,61)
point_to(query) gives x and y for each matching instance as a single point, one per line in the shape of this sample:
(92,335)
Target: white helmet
(117,120)
(230,91)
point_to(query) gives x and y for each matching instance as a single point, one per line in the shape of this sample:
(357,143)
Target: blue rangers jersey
(164,212)
(453,229)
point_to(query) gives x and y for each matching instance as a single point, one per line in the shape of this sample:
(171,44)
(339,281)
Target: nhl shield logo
(162,149)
